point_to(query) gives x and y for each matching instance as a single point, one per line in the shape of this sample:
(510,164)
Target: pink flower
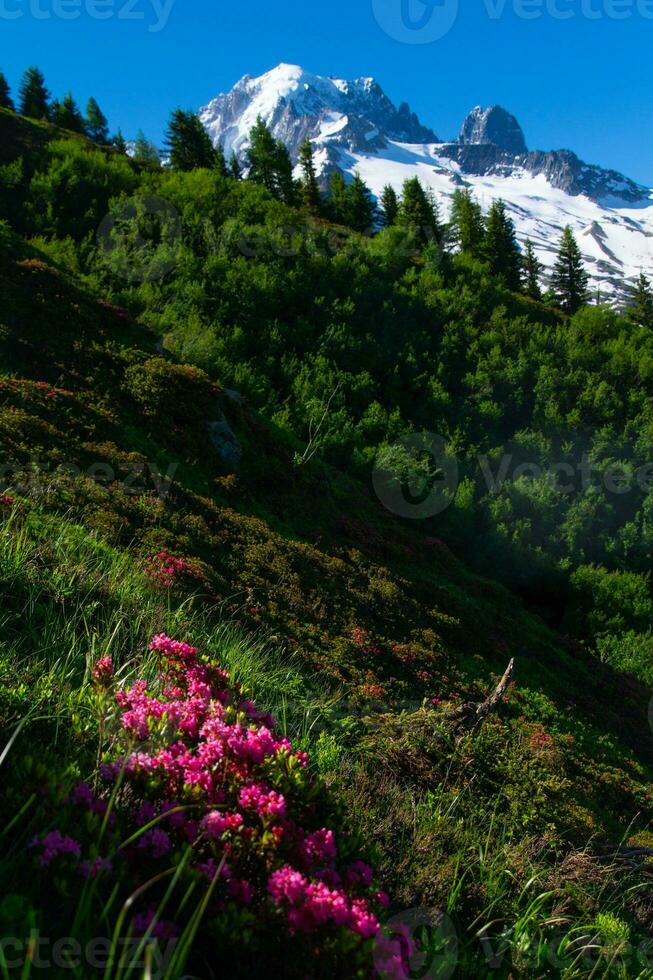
(82,795)
(55,844)
(266,802)
(319,847)
(155,842)
(287,884)
(359,873)
(164,570)
(313,904)
(209,771)
(103,671)
(215,824)
(173,649)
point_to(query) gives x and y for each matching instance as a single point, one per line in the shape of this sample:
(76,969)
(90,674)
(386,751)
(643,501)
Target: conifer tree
(569,280)
(269,163)
(96,123)
(67,114)
(309,190)
(119,142)
(389,206)
(338,202)
(6,101)
(33,95)
(532,272)
(500,248)
(235,169)
(640,310)
(286,186)
(467,222)
(144,151)
(262,156)
(360,206)
(220,163)
(188,142)
(418,212)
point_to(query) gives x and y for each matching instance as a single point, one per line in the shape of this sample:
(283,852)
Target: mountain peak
(297,104)
(494,126)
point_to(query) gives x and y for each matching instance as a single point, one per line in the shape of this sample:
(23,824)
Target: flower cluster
(372,689)
(103,671)
(405,654)
(541,741)
(6,501)
(165,570)
(196,763)
(53,845)
(361,640)
(309,904)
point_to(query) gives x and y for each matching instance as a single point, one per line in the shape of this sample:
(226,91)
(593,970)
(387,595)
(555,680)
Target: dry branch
(472,714)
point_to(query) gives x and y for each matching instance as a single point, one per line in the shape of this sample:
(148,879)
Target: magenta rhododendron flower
(310,904)
(165,570)
(196,763)
(265,801)
(216,824)
(103,671)
(53,845)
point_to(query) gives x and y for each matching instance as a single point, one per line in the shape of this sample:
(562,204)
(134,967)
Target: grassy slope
(306,556)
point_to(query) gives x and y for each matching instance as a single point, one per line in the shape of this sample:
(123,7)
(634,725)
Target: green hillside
(190,414)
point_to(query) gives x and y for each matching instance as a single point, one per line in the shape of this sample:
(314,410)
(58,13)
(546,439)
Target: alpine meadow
(326,522)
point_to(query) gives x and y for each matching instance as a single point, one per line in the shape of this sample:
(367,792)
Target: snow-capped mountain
(355,127)
(297,104)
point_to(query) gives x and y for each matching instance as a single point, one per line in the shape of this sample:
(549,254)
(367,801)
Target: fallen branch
(472,714)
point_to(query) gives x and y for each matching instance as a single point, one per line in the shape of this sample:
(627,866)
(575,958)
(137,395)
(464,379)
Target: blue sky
(577,73)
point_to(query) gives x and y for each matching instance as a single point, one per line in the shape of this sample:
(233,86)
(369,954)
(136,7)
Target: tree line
(490,237)
(36,102)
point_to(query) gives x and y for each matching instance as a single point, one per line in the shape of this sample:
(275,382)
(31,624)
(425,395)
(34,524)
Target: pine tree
(532,272)
(188,142)
(467,222)
(286,187)
(269,163)
(360,206)
(220,163)
(144,151)
(235,169)
(640,310)
(500,248)
(389,206)
(309,190)
(338,201)
(418,212)
(67,114)
(569,280)
(96,123)
(6,101)
(119,142)
(262,156)
(34,96)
